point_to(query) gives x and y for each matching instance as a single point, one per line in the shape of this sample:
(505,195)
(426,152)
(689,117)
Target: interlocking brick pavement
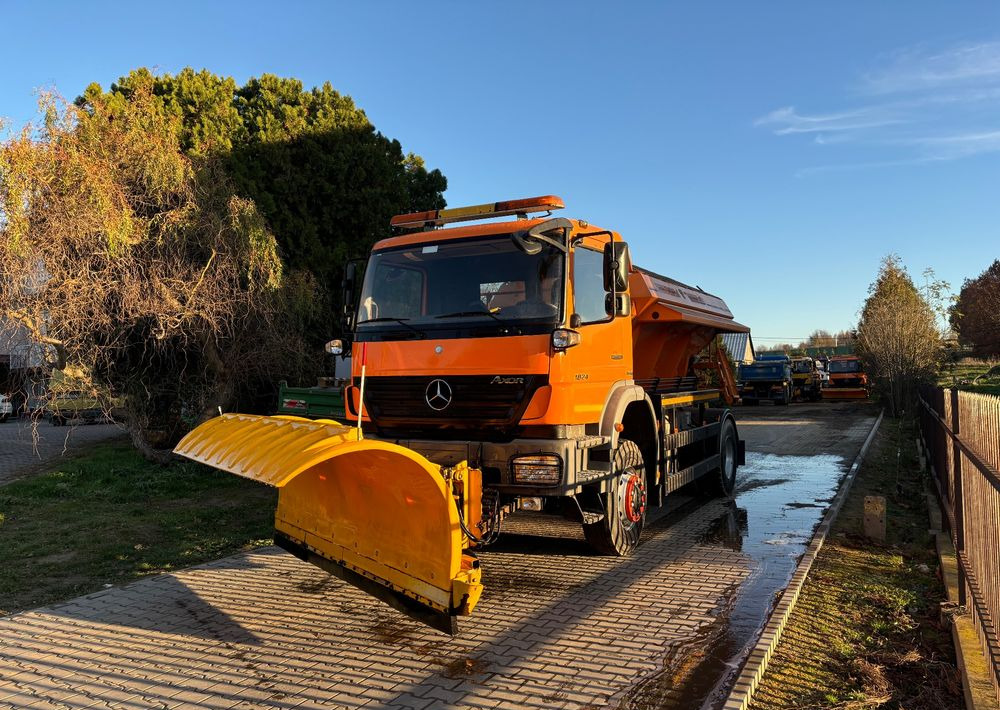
(24,448)
(557,628)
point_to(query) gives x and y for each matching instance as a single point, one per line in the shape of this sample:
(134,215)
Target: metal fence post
(956,452)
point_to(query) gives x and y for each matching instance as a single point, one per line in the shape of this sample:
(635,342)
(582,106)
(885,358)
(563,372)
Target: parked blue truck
(769,377)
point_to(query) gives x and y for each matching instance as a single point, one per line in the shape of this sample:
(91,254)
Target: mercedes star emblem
(437,395)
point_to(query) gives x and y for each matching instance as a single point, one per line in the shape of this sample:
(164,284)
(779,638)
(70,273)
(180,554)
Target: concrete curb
(753,669)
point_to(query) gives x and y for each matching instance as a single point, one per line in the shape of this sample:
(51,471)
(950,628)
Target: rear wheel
(722,481)
(617,533)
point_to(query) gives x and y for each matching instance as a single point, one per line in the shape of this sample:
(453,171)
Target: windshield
(844,366)
(801,366)
(448,283)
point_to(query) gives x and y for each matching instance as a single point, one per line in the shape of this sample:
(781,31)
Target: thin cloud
(919,70)
(952,147)
(786,121)
(932,106)
(934,149)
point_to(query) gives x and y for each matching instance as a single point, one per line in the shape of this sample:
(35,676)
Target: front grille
(476,401)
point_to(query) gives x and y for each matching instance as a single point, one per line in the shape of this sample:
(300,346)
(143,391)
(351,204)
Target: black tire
(722,481)
(617,533)
(3,418)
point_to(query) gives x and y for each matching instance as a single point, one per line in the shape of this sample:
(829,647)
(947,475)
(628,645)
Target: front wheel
(617,533)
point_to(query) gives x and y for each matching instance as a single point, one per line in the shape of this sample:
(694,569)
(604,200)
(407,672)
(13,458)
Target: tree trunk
(160,456)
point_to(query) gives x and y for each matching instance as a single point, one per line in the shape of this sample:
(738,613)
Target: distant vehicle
(73,405)
(824,376)
(767,377)
(848,379)
(324,401)
(6,408)
(806,378)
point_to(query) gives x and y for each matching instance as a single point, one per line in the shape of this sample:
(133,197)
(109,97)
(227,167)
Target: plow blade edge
(845,393)
(375,514)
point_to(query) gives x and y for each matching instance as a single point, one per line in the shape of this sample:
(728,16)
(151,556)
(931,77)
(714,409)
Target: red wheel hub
(635,498)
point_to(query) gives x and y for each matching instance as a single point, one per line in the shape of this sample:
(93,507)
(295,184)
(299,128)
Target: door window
(588,285)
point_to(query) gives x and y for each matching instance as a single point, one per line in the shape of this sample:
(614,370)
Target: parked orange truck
(847,378)
(500,365)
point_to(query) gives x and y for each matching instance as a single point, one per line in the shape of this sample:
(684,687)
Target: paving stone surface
(25,448)
(558,627)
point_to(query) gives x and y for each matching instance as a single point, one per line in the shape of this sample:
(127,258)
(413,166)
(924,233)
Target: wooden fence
(961,432)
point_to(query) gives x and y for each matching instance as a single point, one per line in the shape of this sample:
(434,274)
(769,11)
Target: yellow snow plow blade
(375,514)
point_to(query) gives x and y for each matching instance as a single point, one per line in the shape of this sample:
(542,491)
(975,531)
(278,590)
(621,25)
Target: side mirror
(618,304)
(617,261)
(523,242)
(552,231)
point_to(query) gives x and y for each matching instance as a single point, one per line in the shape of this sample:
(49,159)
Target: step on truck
(848,379)
(523,364)
(767,378)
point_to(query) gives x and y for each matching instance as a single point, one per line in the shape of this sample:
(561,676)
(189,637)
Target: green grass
(110,517)
(962,374)
(865,632)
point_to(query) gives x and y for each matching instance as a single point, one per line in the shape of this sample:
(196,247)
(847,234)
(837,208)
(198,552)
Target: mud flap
(375,514)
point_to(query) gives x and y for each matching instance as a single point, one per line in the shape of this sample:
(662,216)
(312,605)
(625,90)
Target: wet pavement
(558,627)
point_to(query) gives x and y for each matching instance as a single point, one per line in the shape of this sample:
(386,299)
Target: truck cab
(848,379)
(769,377)
(806,378)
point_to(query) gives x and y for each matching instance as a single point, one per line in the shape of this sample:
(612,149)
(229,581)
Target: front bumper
(495,458)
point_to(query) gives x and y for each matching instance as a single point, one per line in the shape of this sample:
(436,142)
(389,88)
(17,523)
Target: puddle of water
(779,502)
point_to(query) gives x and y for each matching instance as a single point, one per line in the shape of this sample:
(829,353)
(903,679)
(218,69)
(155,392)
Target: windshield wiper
(460,314)
(401,321)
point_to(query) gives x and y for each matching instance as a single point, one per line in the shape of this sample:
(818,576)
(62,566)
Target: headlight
(538,468)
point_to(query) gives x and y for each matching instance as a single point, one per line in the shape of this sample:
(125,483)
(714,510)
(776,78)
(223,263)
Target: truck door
(604,355)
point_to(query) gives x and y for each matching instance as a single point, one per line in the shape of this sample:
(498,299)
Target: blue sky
(771,153)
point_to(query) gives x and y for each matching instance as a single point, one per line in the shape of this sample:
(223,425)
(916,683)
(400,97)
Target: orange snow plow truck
(520,364)
(848,379)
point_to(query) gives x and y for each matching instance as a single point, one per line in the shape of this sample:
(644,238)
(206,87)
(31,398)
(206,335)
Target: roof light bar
(491,209)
